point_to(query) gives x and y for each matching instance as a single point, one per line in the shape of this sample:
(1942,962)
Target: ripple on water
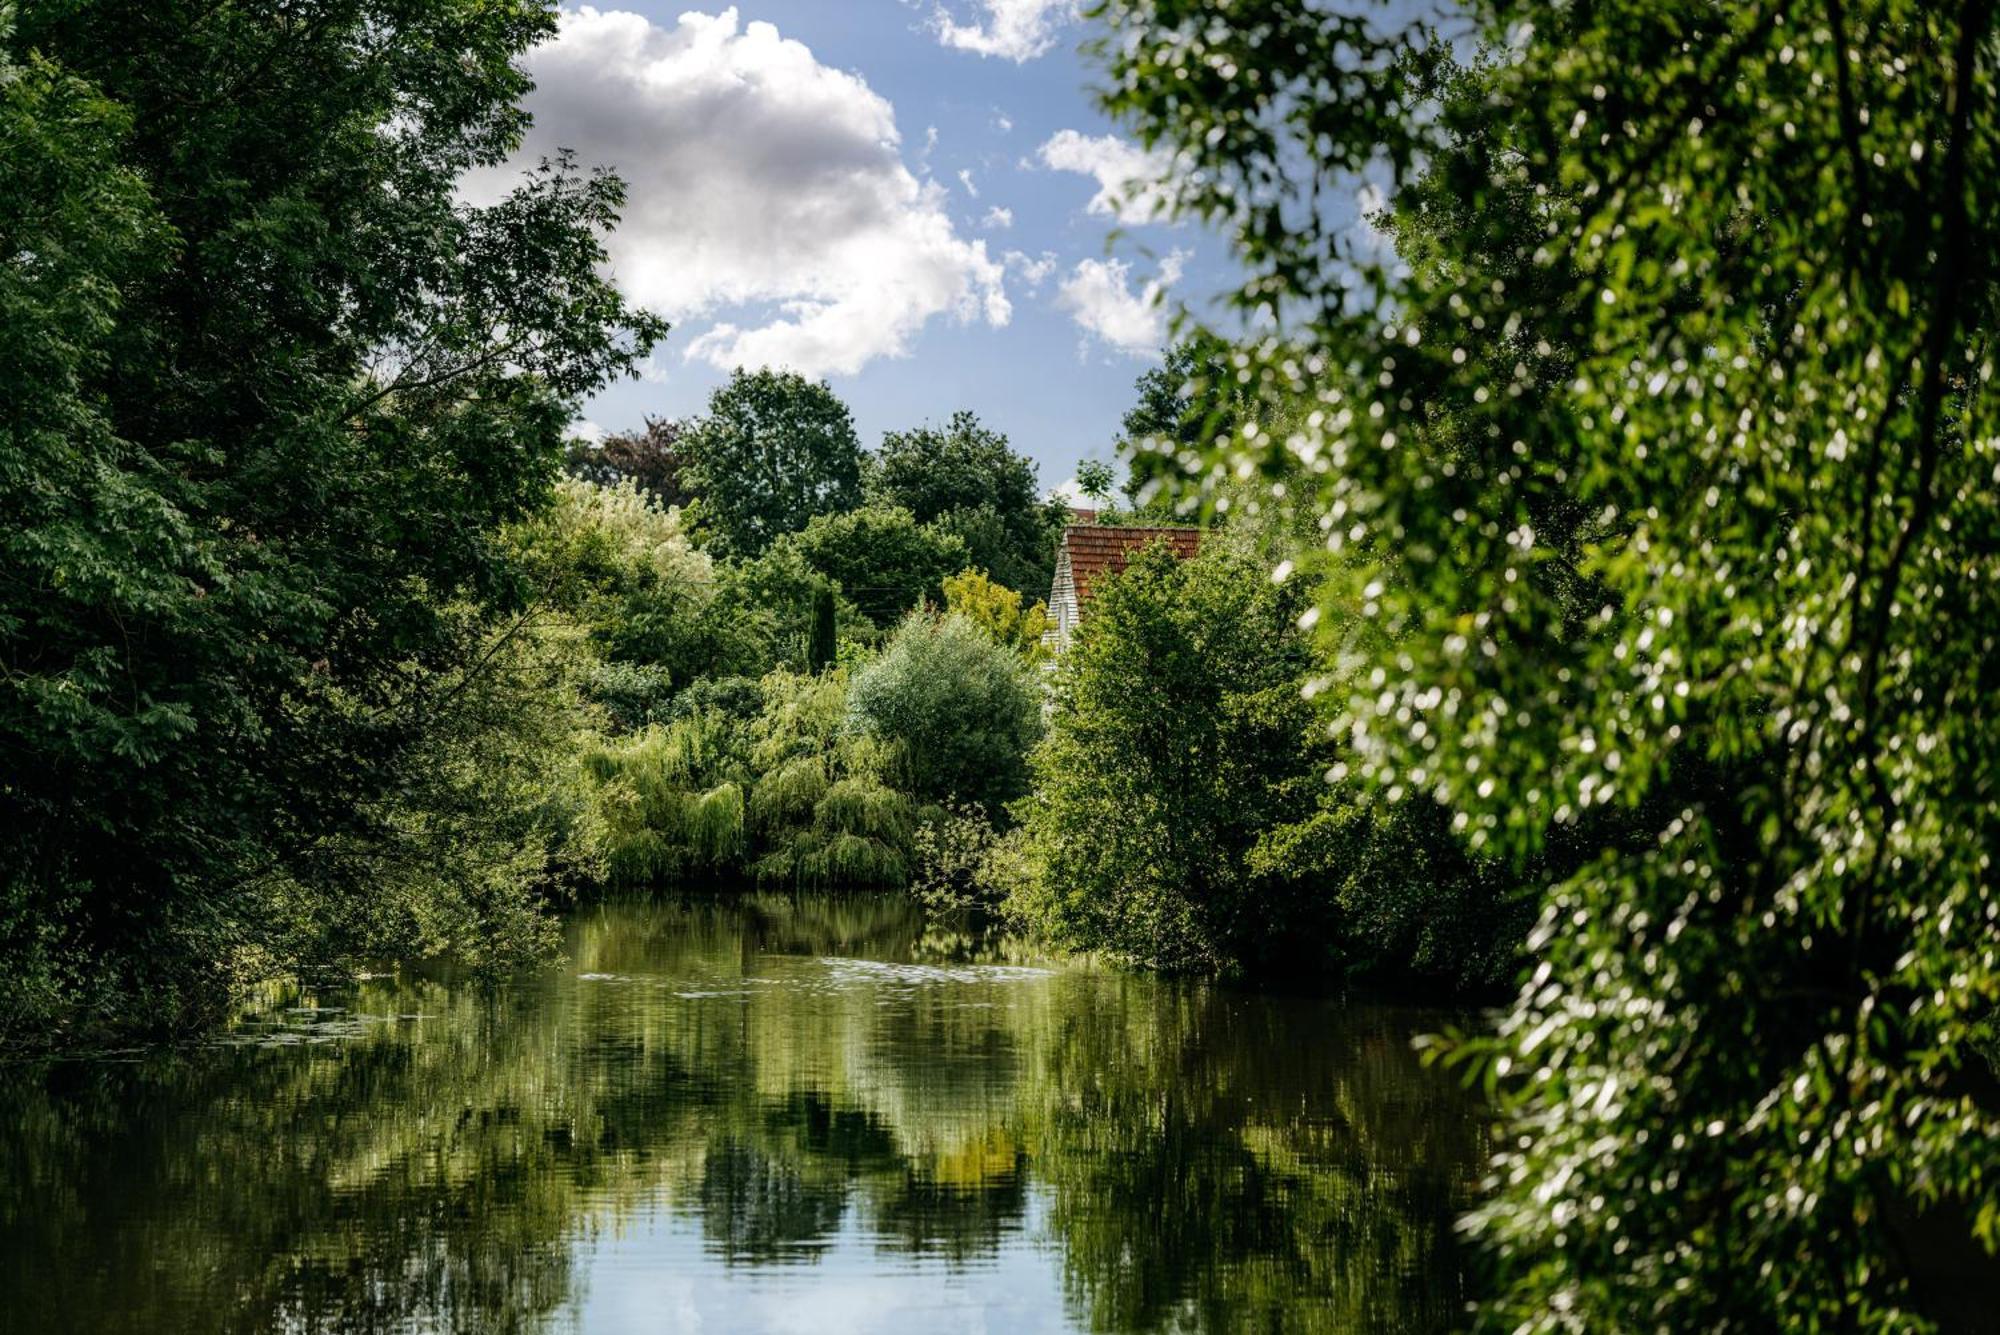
(833,972)
(304,1025)
(877,971)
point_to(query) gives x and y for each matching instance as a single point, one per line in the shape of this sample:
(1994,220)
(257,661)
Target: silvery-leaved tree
(1657,465)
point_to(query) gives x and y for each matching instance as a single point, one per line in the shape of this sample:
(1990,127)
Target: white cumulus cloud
(1099,296)
(1032,270)
(1016,30)
(1131,182)
(770,213)
(997,218)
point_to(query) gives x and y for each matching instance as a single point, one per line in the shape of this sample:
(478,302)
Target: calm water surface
(788,1114)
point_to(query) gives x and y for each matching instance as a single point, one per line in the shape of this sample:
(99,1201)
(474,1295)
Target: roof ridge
(1138,528)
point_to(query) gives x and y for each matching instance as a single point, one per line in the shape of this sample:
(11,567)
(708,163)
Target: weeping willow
(859,806)
(669,808)
(858,835)
(791,797)
(789,794)
(814,860)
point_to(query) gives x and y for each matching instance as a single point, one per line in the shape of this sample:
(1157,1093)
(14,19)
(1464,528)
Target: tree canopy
(1177,739)
(269,393)
(965,478)
(648,457)
(963,708)
(881,557)
(1656,473)
(773,450)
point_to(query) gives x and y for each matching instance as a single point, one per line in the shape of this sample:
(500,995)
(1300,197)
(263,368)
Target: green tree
(1660,479)
(773,451)
(1096,480)
(755,781)
(881,557)
(769,602)
(964,478)
(825,645)
(962,708)
(1181,815)
(271,394)
(1178,739)
(824,809)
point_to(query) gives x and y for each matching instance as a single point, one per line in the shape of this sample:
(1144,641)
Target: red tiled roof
(1097,549)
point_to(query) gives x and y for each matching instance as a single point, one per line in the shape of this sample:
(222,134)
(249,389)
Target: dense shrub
(631,694)
(963,708)
(999,611)
(949,854)
(740,698)
(774,601)
(672,799)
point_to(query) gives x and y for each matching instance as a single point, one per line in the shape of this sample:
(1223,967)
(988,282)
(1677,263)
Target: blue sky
(912,199)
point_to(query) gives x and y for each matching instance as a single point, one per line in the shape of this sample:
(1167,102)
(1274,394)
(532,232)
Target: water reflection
(773,1113)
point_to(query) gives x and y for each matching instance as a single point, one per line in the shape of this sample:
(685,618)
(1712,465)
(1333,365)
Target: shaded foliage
(882,558)
(271,393)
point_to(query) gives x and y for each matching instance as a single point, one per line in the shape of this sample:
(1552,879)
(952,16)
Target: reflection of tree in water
(925,1215)
(1213,1171)
(1209,1160)
(286,1190)
(756,1209)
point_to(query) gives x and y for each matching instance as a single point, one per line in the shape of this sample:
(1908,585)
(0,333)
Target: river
(783,1113)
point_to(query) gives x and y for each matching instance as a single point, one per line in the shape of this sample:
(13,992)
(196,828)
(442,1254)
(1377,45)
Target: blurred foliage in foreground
(1655,469)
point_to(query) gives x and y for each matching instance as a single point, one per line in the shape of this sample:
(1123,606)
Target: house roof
(1098,549)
